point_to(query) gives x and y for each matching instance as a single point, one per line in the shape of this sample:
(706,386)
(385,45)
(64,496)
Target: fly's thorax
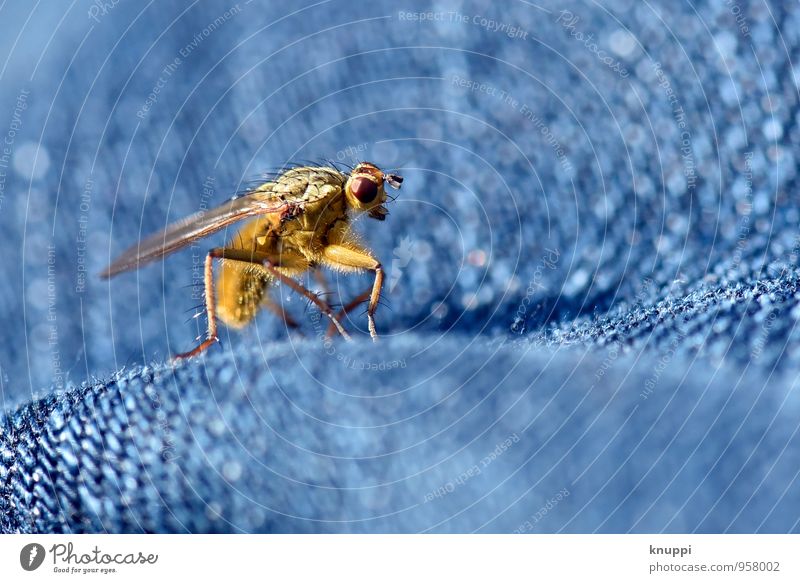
(317,216)
(307,233)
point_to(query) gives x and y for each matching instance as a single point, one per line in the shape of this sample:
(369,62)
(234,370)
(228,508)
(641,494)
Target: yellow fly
(301,221)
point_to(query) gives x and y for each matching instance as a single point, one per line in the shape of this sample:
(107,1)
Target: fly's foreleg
(348,258)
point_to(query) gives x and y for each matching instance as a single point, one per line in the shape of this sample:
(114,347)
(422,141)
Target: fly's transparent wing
(192,228)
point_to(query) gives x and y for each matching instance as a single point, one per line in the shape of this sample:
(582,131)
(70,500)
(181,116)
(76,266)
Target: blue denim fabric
(592,268)
(247,443)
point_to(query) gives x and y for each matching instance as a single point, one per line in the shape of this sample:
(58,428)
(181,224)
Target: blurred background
(601,195)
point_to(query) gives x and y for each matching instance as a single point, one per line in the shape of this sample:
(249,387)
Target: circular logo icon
(31,556)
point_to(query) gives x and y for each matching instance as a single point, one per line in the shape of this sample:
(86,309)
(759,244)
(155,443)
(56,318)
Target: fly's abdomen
(241,286)
(239,294)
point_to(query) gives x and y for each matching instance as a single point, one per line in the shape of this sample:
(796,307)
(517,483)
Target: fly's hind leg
(211,310)
(270,264)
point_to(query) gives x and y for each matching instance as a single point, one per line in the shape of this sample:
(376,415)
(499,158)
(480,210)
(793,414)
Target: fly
(300,220)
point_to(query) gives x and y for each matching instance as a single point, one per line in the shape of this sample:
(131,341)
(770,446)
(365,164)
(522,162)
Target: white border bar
(407,558)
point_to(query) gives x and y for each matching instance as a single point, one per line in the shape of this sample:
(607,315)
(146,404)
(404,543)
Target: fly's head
(365,190)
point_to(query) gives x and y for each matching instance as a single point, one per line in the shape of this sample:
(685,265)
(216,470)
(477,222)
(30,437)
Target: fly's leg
(360,299)
(322,282)
(323,306)
(352,259)
(278,310)
(267,262)
(211,310)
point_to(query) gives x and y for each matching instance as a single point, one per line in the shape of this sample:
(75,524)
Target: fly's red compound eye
(364,189)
